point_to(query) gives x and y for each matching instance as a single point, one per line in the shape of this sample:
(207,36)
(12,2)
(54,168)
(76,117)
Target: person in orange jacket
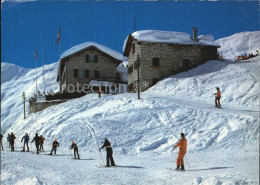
(42,142)
(217,99)
(182,144)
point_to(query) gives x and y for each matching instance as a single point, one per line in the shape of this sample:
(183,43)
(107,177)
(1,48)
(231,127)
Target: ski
(168,168)
(102,166)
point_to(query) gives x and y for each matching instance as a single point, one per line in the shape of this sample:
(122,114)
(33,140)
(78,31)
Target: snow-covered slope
(14,81)
(238,82)
(239,44)
(181,103)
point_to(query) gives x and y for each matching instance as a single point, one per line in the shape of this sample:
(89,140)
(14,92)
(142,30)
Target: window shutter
(87,58)
(86,73)
(96,58)
(76,73)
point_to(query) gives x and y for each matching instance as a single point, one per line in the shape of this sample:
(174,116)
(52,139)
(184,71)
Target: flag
(35,55)
(58,37)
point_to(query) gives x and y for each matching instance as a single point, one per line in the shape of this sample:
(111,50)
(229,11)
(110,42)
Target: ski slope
(223,144)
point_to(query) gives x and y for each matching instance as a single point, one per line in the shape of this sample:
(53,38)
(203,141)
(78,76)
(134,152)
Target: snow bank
(239,44)
(169,37)
(85,45)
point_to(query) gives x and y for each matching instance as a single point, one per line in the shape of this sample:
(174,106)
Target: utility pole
(24,98)
(138,76)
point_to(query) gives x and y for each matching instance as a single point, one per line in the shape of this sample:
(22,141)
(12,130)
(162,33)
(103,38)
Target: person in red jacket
(217,99)
(182,144)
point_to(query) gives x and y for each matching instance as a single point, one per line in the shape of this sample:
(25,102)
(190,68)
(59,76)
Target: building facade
(86,62)
(157,59)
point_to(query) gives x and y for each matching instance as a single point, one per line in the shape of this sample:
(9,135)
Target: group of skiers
(39,141)
(245,57)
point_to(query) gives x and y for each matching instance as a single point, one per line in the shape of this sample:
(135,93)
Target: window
(81,74)
(92,58)
(156,62)
(136,64)
(75,74)
(130,69)
(133,48)
(96,74)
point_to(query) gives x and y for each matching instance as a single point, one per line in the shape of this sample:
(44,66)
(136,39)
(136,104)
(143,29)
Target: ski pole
(62,151)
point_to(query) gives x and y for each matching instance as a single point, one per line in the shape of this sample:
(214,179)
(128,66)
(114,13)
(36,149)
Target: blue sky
(109,23)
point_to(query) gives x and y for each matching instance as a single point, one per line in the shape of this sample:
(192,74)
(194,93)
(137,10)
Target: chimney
(194,36)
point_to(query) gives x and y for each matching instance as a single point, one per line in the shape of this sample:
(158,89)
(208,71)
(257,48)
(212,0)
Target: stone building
(160,54)
(86,62)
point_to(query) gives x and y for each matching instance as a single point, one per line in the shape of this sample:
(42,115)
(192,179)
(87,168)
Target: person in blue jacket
(25,141)
(76,150)
(8,140)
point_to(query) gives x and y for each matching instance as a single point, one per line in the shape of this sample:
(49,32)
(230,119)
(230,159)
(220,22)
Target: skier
(109,149)
(8,140)
(42,142)
(26,140)
(100,91)
(55,144)
(76,150)
(113,89)
(182,144)
(217,99)
(37,140)
(1,143)
(12,138)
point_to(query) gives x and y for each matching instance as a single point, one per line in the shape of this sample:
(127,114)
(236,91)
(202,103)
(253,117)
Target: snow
(223,144)
(14,81)
(239,44)
(238,82)
(169,37)
(122,68)
(85,45)
(207,37)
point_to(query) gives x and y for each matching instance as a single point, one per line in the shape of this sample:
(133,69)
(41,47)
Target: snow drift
(239,44)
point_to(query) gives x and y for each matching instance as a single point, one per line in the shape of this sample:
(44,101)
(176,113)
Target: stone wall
(39,106)
(106,66)
(173,59)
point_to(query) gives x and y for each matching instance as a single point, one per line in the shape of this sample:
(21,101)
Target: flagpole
(59,50)
(36,74)
(43,67)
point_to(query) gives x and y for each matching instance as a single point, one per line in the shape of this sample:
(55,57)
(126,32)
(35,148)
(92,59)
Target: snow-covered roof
(77,48)
(169,37)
